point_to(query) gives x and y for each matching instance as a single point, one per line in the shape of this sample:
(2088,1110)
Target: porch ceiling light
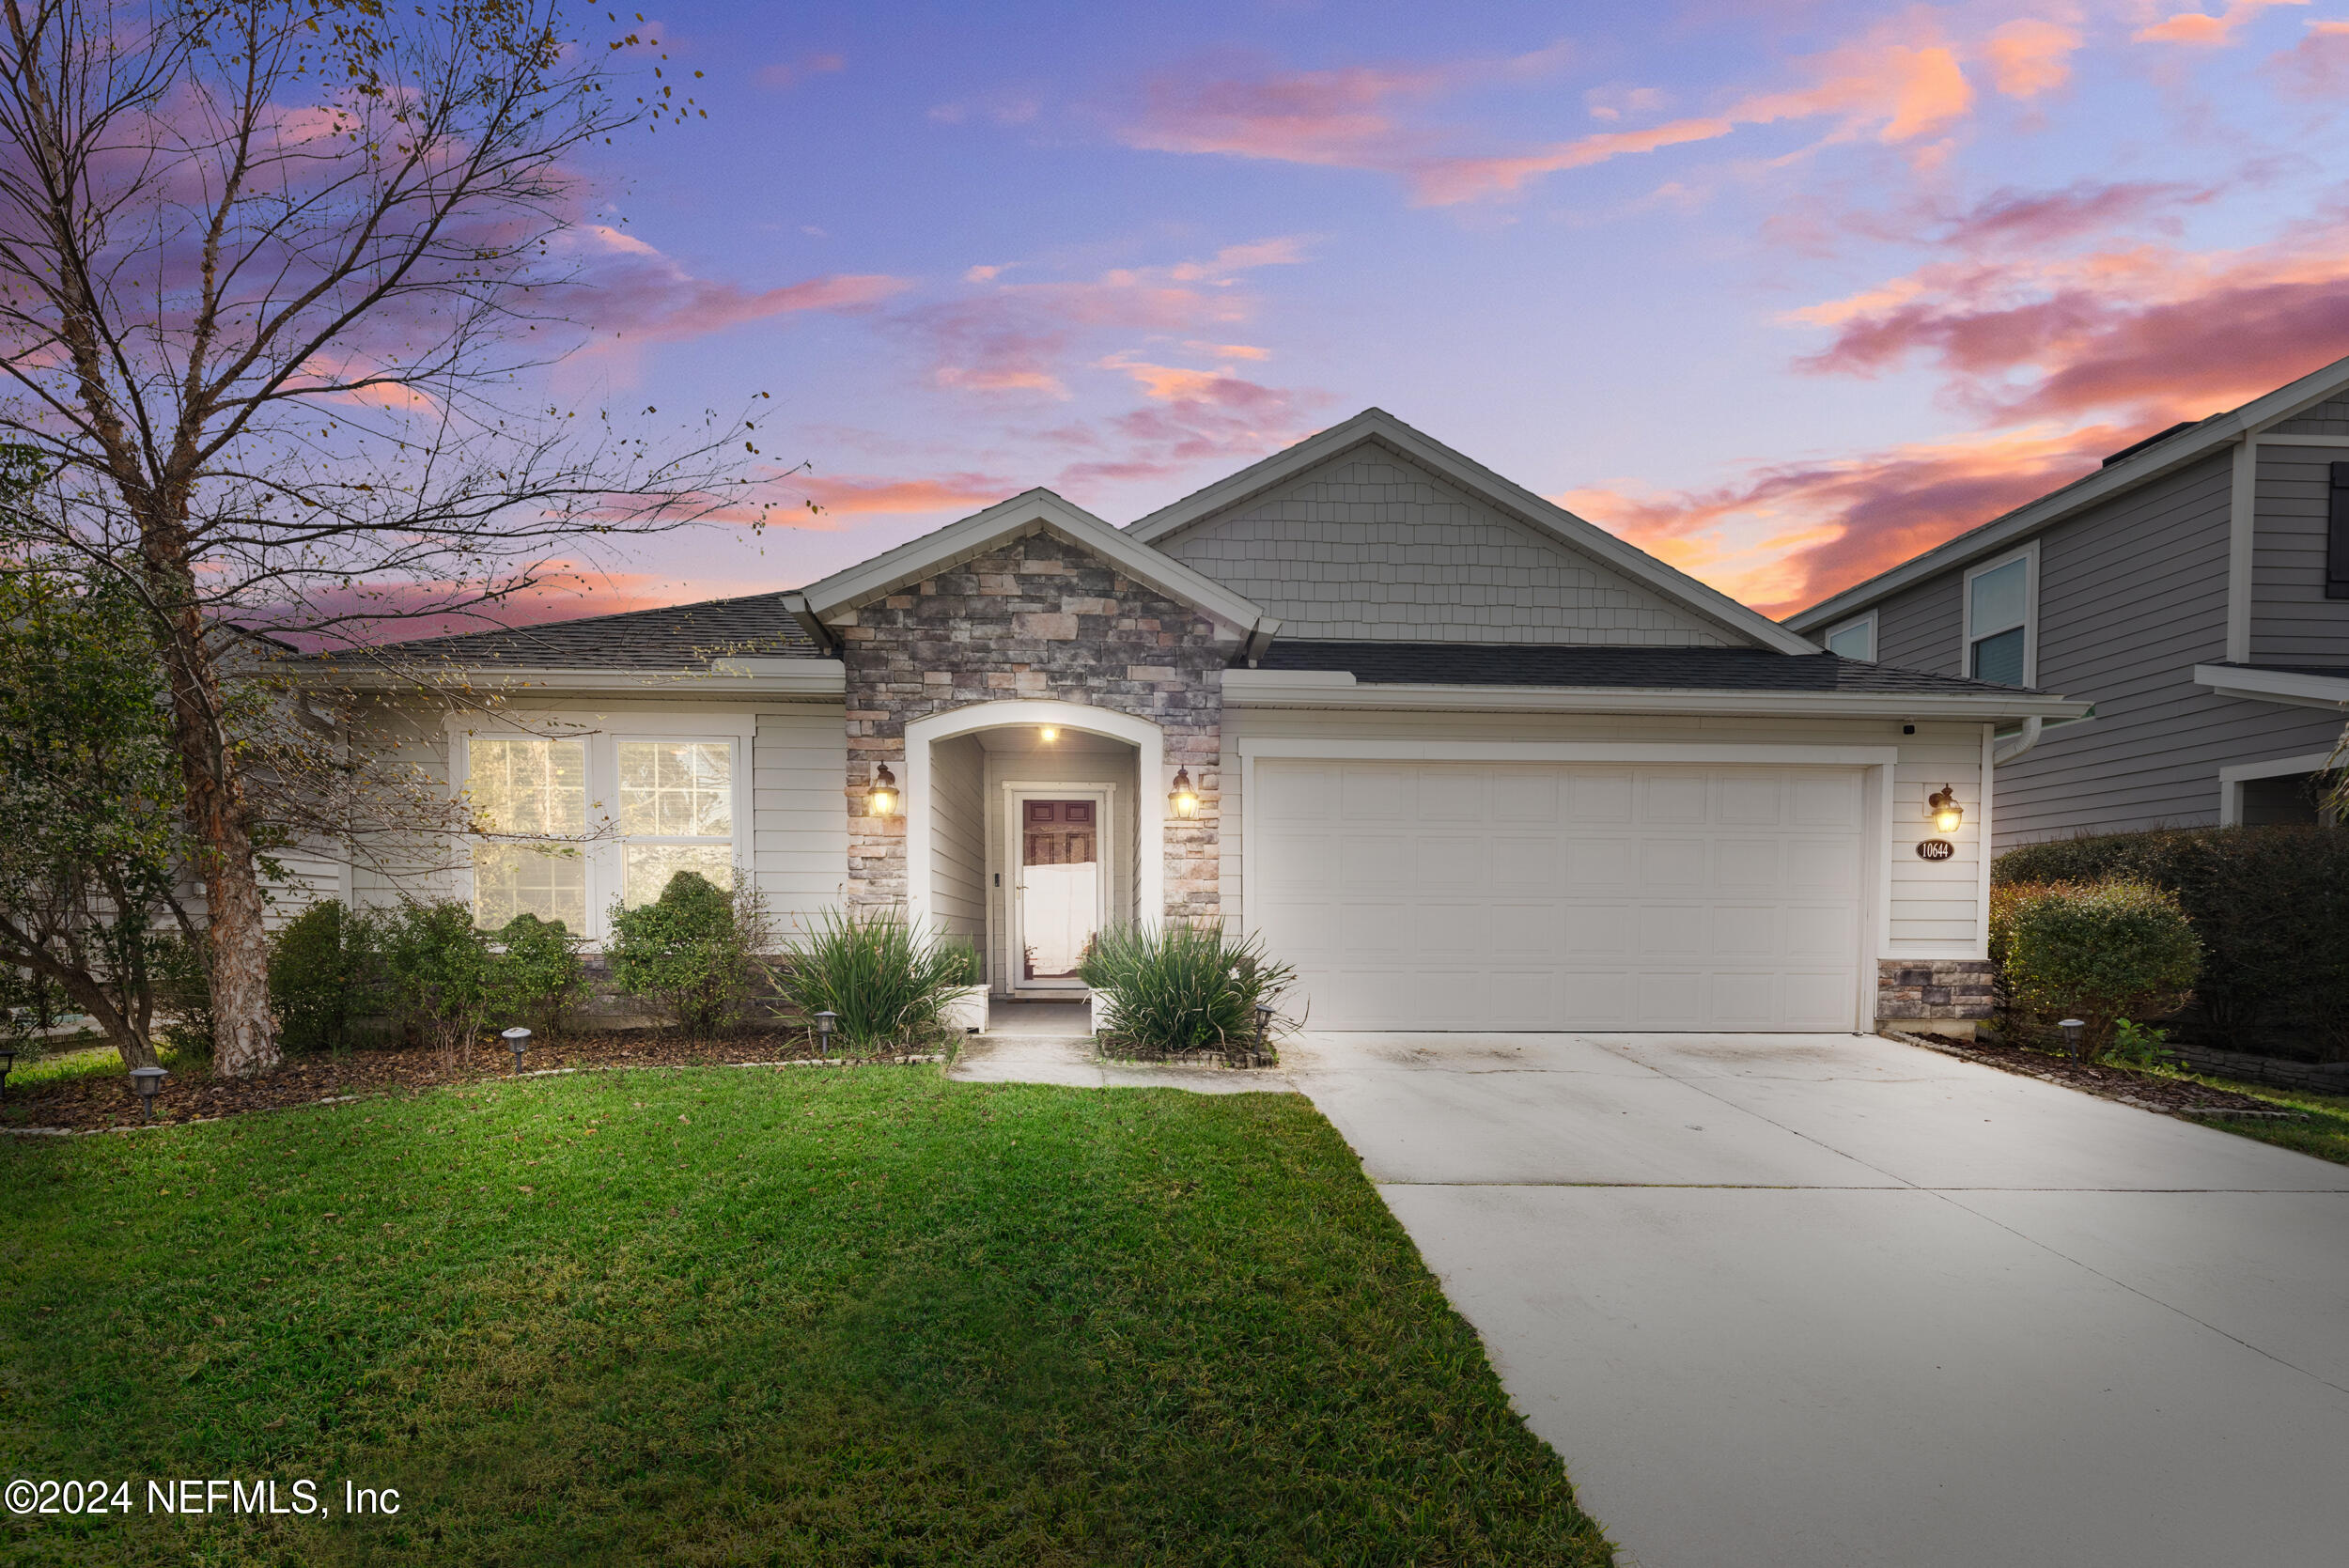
(1947,812)
(882,800)
(1048,734)
(1183,800)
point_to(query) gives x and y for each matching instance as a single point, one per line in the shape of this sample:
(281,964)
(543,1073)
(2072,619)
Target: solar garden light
(826,1022)
(7,1063)
(145,1082)
(2073,1029)
(1263,1024)
(518,1041)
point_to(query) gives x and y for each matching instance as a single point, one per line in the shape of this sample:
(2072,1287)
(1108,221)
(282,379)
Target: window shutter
(2337,536)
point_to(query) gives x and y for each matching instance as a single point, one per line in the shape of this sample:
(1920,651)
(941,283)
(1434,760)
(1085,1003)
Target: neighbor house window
(529,786)
(1855,639)
(1998,603)
(616,816)
(677,813)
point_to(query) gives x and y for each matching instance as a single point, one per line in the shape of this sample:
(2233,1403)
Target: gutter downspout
(2007,751)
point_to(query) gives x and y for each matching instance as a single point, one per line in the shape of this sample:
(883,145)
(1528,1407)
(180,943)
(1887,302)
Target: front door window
(1060,885)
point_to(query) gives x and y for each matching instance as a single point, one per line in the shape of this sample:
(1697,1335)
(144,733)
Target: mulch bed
(2146,1091)
(86,1104)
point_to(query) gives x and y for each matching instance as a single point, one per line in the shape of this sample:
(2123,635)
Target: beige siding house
(1466,760)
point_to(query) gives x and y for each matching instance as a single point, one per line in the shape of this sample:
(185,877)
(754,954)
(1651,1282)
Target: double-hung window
(581,819)
(2001,597)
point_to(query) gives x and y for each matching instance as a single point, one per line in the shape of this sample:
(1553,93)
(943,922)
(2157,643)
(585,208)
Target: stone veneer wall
(1039,617)
(1916,989)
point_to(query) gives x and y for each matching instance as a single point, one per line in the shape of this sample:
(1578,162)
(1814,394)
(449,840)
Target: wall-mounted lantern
(1947,812)
(882,800)
(1183,800)
(518,1041)
(146,1082)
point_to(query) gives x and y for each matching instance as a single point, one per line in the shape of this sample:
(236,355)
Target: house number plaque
(1936,849)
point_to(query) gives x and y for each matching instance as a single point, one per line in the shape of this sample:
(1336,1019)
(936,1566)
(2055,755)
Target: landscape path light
(7,1063)
(518,1041)
(1264,1023)
(2073,1029)
(826,1022)
(145,1082)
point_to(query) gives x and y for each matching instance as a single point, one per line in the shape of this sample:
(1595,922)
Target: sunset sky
(1781,292)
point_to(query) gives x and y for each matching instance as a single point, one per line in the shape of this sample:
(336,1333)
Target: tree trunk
(244,1036)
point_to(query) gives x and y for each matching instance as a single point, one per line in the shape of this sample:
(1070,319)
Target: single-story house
(1466,760)
(2195,588)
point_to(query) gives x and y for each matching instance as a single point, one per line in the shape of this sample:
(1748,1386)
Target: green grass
(867,1317)
(2323,1134)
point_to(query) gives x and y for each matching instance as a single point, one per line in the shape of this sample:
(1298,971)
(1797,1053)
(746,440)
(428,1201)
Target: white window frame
(603,734)
(1868,620)
(2028,553)
(2233,778)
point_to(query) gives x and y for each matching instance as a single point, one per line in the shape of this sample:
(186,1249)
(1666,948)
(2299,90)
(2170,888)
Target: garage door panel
(1456,895)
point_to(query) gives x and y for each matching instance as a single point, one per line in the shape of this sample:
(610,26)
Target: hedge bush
(440,970)
(538,975)
(325,970)
(2271,906)
(693,950)
(2100,952)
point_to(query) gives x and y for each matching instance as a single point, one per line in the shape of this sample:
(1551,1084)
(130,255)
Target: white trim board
(1032,511)
(1149,765)
(2289,688)
(1378,427)
(2232,777)
(1338,689)
(2241,544)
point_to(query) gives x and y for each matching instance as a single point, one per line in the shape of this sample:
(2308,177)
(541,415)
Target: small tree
(2100,952)
(693,950)
(90,825)
(440,970)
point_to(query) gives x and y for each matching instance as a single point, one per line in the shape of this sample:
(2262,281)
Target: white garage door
(1460,896)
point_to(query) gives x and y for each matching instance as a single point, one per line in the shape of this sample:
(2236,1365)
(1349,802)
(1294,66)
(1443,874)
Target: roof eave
(814,679)
(1026,513)
(1335,689)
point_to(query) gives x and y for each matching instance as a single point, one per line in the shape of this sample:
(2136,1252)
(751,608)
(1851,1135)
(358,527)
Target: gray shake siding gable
(2292,620)
(1372,545)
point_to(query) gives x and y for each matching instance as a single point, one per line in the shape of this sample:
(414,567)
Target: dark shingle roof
(1684,669)
(673,637)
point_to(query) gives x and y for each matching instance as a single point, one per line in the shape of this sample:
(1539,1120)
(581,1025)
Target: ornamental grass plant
(886,984)
(1184,985)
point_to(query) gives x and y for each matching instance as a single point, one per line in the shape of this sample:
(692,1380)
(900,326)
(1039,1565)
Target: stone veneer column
(1039,617)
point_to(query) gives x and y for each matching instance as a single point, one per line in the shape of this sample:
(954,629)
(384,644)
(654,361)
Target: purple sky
(1782,293)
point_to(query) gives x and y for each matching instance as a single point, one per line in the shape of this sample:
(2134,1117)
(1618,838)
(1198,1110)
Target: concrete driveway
(1796,1301)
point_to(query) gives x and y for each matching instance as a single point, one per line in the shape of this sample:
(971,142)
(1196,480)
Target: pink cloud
(2316,69)
(1789,535)
(2139,330)
(790,73)
(2028,56)
(2206,31)
(635,292)
(865,496)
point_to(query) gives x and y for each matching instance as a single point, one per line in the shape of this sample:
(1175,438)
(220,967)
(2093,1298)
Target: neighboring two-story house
(2195,589)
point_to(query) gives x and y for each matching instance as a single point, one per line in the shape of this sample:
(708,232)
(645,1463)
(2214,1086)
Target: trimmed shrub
(440,970)
(692,950)
(2099,953)
(888,984)
(538,975)
(1181,987)
(322,973)
(2271,906)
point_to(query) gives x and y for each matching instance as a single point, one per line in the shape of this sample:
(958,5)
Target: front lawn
(2323,1133)
(724,1316)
